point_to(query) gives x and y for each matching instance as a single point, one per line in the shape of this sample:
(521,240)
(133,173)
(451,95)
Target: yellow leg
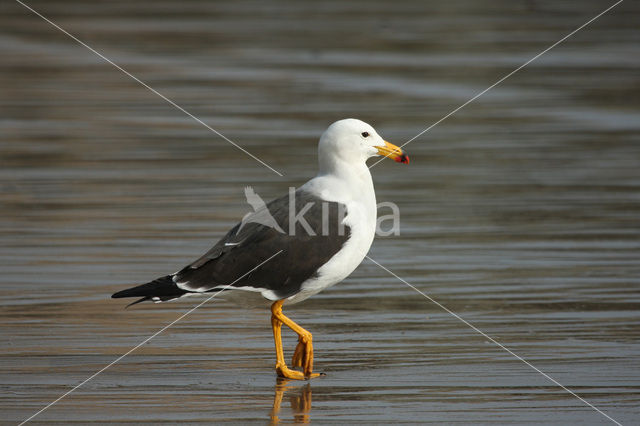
(303,356)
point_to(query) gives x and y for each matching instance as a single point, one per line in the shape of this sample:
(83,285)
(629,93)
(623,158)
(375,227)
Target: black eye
(365,134)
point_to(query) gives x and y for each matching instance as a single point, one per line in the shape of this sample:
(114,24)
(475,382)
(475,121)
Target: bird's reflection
(299,398)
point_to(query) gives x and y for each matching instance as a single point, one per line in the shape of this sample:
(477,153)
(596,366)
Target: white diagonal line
(149,87)
(485,335)
(505,77)
(145,341)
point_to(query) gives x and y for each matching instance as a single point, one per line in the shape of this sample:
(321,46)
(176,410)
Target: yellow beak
(393,152)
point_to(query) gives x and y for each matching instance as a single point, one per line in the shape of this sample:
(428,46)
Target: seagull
(329,225)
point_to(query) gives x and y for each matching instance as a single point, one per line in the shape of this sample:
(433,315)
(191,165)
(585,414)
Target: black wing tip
(123,293)
(160,289)
(118,294)
(129,292)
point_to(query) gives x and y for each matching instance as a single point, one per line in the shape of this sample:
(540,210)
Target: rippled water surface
(520,212)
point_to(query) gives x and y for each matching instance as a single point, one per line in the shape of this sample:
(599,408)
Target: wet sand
(519,213)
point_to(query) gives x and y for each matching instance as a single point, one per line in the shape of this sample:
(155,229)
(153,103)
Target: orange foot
(286,372)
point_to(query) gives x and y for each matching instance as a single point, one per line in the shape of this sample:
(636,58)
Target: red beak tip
(404,159)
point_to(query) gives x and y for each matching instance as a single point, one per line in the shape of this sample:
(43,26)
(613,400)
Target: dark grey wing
(312,243)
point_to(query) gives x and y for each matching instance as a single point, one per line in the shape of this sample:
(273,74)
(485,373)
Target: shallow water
(519,213)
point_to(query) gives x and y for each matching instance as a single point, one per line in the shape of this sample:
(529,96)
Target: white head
(351,142)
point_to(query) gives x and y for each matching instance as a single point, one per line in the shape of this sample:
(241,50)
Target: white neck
(355,171)
(345,182)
